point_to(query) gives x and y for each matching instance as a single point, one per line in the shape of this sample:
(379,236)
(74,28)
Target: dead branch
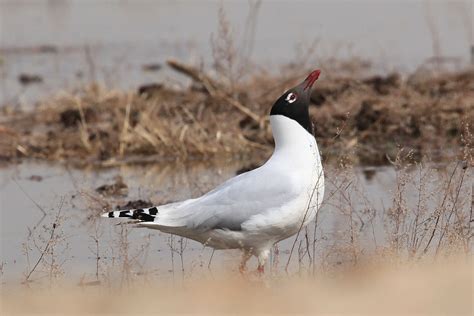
(212,88)
(194,74)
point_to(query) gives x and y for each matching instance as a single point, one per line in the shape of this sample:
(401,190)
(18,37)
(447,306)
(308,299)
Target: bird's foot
(242,269)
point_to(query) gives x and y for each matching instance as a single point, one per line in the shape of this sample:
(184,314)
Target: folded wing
(232,203)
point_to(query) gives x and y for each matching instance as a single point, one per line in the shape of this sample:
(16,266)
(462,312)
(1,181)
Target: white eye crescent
(291,97)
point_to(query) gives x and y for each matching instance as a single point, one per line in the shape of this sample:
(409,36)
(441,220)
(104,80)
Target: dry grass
(372,117)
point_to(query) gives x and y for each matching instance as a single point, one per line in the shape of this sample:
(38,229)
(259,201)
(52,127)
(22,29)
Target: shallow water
(368,192)
(121,36)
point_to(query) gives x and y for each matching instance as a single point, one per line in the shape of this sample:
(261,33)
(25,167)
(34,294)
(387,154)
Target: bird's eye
(291,97)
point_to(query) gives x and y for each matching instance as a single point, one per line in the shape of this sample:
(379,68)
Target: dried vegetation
(372,118)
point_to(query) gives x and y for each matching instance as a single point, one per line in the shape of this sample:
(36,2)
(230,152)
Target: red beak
(309,81)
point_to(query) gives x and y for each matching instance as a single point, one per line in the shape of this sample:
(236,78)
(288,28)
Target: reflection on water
(355,217)
(110,41)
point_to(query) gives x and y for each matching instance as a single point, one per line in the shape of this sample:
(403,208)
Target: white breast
(296,155)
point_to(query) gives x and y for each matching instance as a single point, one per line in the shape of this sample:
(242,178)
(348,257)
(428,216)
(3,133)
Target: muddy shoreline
(368,120)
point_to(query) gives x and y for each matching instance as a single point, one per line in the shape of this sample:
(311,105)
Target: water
(20,215)
(111,41)
(358,199)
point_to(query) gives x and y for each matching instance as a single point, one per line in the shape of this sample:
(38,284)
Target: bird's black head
(294,103)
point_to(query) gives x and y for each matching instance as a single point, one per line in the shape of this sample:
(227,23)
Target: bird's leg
(262,258)
(246,255)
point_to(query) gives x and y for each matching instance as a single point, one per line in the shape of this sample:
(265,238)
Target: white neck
(288,134)
(297,152)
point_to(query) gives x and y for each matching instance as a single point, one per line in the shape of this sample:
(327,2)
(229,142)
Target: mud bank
(366,120)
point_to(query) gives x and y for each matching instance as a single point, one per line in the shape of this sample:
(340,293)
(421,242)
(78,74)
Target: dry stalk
(96,250)
(440,210)
(210,259)
(30,198)
(303,220)
(48,244)
(90,63)
(453,209)
(182,244)
(83,130)
(124,136)
(471,219)
(224,50)
(248,38)
(434,34)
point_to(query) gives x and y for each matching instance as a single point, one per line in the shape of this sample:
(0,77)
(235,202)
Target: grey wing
(233,202)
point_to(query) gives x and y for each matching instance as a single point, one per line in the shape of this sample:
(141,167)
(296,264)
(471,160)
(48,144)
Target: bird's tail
(142,214)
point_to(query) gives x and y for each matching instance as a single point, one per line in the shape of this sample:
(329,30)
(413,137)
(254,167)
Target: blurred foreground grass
(389,288)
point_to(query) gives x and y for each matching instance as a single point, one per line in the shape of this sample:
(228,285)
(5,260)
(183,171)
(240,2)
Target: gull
(254,210)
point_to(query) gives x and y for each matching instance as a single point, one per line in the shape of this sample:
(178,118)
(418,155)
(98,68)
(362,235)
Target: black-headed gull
(256,209)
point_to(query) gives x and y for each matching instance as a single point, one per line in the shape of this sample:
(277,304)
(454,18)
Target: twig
(90,63)
(302,222)
(248,39)
(307,246)
(30,198)
(211,87)
(55,225)
(210,259)
(341,129)
(451,213)
(194,74)
(471,218)
(314,242)
(440,209)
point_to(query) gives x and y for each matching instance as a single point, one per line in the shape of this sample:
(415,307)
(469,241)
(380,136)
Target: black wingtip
(153,210)
(143,216)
